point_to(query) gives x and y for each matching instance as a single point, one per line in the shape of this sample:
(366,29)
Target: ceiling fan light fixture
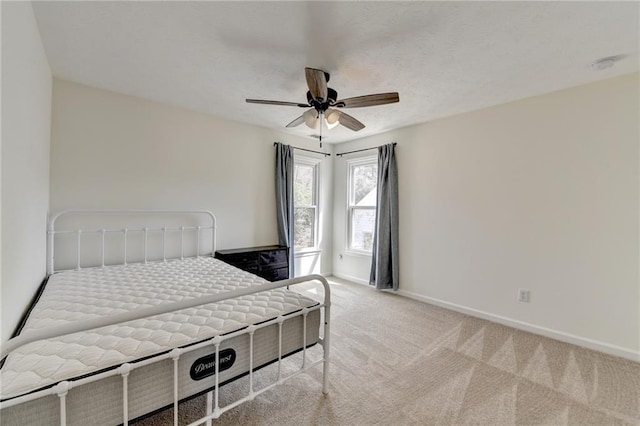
(332,118)
(311,118)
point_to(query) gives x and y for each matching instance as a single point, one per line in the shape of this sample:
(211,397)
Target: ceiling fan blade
(369,100)
(317,82)
(349,122)
(298,121)
(261,101)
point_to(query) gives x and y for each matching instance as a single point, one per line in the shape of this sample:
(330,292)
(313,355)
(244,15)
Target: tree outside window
(305,203)
(363,178)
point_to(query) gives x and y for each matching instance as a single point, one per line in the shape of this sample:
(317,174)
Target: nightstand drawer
(249,259)
(275,274)
(268,262)
(273,258)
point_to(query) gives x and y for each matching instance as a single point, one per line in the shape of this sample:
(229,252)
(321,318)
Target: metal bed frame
(213,408)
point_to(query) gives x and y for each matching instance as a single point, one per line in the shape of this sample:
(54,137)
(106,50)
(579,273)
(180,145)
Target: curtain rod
(326,154)
(360,150)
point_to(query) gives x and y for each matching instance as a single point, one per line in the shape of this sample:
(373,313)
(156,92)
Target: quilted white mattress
(80,295)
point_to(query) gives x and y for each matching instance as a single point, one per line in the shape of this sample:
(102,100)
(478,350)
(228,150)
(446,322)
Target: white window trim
(315,162)
(349,211)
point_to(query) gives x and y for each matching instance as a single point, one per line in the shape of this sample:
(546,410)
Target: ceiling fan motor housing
(332,95)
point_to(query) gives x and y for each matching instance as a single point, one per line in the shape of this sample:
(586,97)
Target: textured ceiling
(443,58)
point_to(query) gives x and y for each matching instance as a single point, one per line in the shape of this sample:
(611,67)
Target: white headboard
(79,239)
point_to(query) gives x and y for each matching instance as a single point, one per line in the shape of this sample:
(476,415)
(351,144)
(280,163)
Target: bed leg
(325,347)
(209,406)
(61,389)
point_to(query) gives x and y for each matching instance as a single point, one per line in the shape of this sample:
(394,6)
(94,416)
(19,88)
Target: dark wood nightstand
(268,262)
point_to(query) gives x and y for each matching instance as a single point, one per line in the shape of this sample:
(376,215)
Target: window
(363,179)
(305,203)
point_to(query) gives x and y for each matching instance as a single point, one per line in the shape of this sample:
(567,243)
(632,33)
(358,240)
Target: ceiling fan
(324,105)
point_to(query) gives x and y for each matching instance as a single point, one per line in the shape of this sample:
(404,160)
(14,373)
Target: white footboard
(213,410)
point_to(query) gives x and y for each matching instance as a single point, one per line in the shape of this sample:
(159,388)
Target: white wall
(26,113)
(114,151)
(541,194)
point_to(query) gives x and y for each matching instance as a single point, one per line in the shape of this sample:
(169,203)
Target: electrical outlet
(524,295)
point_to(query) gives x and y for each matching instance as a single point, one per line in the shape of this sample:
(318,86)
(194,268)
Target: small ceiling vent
(606,63)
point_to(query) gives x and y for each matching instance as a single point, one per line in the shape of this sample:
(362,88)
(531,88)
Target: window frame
(315,163)
(351,208)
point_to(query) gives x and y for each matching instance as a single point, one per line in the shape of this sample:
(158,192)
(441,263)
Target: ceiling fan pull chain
(321,116)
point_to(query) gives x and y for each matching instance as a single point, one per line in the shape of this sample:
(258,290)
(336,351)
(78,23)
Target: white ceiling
(443,58)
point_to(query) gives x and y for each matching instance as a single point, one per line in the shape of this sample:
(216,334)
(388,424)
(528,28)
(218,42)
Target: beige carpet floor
(396,361)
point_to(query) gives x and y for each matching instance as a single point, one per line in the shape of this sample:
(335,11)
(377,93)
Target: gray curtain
(384,262)
(284,198)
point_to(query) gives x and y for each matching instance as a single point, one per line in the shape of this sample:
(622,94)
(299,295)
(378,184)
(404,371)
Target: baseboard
(535,329)
(352,279)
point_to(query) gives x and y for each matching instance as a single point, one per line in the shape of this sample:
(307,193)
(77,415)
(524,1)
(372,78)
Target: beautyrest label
(206,366)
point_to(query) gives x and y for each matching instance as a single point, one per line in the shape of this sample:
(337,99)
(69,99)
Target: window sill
(306,252)
(358,253)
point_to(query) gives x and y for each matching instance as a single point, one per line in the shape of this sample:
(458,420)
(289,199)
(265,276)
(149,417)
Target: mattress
(73,296)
